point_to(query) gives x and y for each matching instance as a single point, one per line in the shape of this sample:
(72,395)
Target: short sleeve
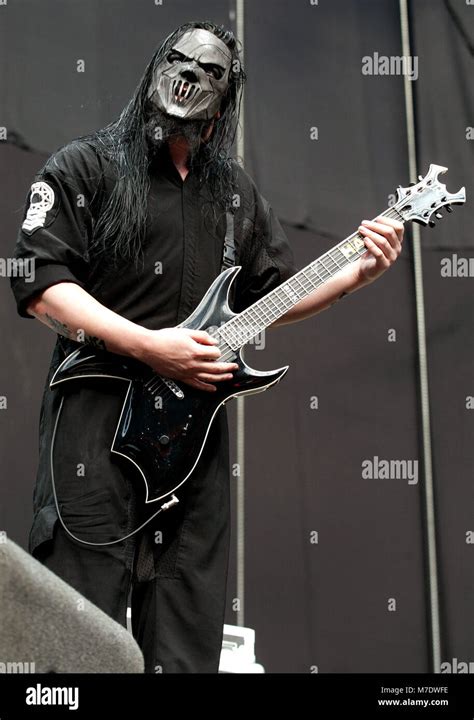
(266,257)
(52,243)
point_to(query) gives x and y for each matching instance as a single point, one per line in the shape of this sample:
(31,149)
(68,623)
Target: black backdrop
(323,604)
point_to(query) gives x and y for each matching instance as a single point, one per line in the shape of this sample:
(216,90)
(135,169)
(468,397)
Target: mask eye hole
(214,70)
(175,56)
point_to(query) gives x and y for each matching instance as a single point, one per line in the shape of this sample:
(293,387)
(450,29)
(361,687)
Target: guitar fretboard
(250,322)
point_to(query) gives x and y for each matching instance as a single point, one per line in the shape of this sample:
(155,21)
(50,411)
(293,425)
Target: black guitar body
(164,424)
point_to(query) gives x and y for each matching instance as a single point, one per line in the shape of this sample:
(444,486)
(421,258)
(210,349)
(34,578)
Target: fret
(247,329)
(264,310)
(340,254)
(239,338)
(306,283)
(280,305)
(321,260)
(334,260)
(234,334)
(251,328)
(398,216)
(317,272)
(265,301)
(292,295)
(247,323)
(229,336)
(352,247)
(253,315)
(296,278)
(303,272)
(321,264)
(283,299)
(360,245)
(348,249)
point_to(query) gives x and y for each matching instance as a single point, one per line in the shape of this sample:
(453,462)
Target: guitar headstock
(422,200)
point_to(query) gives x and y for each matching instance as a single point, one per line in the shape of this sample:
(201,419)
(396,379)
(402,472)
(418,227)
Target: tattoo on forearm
(95,342)
(339,297)
(59,327)
(79,336)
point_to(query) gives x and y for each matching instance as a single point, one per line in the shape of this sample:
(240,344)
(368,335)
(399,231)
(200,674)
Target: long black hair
(120,229)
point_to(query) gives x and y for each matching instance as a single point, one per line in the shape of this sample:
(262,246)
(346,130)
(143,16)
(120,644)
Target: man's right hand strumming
(190,356)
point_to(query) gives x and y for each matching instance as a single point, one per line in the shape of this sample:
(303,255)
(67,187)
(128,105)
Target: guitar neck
(250,322)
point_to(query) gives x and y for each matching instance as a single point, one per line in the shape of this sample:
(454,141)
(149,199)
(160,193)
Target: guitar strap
(229,256)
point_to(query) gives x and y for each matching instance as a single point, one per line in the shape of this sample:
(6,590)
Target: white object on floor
(238,651)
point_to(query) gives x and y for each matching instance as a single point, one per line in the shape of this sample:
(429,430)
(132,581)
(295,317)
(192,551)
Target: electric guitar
(164,423)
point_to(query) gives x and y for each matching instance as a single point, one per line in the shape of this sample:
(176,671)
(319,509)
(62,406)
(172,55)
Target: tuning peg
(411,184)
(449,208)
(432,223)
(439,216)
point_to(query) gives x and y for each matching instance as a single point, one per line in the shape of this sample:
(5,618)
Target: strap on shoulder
(229,257)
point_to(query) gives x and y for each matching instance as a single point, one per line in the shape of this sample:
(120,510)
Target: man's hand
(178,353)
(383,239)
(187,355)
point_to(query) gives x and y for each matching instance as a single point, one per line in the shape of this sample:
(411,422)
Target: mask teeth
(177,89)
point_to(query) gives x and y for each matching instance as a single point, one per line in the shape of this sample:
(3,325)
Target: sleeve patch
(42,199)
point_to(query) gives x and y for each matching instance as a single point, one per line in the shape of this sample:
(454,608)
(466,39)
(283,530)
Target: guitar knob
(432,223)
(163,440)
(449,208)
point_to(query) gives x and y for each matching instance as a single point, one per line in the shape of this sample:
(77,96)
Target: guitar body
(164,424)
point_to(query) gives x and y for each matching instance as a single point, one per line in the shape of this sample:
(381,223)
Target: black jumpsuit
(175,570)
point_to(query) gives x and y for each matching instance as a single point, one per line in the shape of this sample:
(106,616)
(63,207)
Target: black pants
(175,569)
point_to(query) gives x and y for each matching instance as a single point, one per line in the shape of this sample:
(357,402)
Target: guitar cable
(87,542)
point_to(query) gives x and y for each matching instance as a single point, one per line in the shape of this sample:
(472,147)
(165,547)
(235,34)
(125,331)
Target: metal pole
(240,490)
(428,492)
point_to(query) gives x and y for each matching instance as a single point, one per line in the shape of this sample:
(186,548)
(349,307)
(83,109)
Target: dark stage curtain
(443,36)
(327,147)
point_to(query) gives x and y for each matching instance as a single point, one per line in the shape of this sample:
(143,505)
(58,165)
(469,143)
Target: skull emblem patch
(41,202)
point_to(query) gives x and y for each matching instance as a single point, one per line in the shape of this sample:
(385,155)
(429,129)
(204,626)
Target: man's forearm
(383,239)
(323,297)
(70,311)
